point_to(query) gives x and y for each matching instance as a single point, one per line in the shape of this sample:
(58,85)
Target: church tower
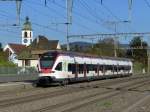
(27,33)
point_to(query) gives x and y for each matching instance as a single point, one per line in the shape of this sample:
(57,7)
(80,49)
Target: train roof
(70,53)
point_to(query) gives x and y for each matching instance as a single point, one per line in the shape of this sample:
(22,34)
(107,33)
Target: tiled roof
(42,43)
(17,48)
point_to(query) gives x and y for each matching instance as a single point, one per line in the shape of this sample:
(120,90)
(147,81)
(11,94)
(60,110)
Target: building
(13,51)
(27,33)
(27,53)
(29,56)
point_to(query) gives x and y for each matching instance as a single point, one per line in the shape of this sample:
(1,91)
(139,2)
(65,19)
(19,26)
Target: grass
(106,104)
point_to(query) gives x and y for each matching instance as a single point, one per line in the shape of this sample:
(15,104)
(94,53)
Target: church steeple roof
(27,24)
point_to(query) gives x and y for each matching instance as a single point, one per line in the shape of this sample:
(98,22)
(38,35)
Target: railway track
(139,103)
(6,103)
(69,90)
(104,83)
(84,101)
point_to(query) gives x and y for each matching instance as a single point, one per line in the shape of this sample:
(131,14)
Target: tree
(139,50)
(1,47)
(104,47)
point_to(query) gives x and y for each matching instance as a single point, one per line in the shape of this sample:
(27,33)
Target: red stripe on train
(46,70)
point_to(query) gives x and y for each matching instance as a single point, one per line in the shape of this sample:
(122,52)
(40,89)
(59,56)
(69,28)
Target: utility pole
(148,60)
(130,10)
(69,5)
(115,24)
(18,8)
(115,41)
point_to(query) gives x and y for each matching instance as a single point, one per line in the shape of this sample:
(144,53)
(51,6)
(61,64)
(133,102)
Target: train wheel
(35,84)
(64,82)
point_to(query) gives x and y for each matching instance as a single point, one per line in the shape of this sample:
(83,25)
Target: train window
(108,67)
(81,68)
(122,67)
(101,68)
(73,68)
(69,67)
(47,61)
(95,68)
(119,68)
(59,66)
(87,68)
(104,69)
(115,68)
(127,67)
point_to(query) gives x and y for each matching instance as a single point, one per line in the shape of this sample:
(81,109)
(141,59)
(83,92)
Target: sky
(88,17)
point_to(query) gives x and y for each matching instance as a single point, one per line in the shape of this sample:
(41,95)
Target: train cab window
(59,66)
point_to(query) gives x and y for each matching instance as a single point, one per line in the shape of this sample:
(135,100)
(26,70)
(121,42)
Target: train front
(46,72)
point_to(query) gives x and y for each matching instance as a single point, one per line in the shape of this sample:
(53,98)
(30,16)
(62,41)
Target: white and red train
(64,67)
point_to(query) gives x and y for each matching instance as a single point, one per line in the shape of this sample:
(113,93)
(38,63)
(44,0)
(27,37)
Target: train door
(98,67)
(84,69)
(113,69)
(117,69)
(101,69)
(104,71)
(77,69)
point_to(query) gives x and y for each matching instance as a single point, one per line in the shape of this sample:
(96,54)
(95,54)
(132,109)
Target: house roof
(17,48)
(40,45)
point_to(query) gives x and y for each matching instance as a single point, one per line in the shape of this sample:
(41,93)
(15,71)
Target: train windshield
(47,61)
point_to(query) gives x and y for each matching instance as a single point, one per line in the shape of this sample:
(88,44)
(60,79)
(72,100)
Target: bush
(138,67)
(4,60)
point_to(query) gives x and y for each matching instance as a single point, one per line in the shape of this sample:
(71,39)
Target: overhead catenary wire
(90,11)
(37,24)
(34,23)
(62,15)
(115,16)
(98,20)
(147,3)
(91,20)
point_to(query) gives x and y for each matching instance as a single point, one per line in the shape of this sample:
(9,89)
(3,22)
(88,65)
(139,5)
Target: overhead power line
(18,8)
(147,3)
(110,35)
(59,14)
(90,11)
(36,24)
(81,16)
(98,19)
